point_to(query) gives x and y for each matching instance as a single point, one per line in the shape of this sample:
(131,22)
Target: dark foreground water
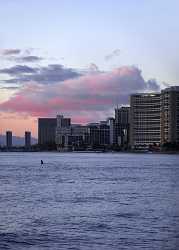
(89,201)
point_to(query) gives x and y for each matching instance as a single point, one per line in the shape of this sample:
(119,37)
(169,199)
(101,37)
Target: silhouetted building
(122,125)
(27,139)
(145,120)
(9,139)
(170,115)
(112,132)
(99,134)
(46,131)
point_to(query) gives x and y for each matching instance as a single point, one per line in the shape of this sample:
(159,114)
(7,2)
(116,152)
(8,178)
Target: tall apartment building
(9,139)
(27,139)
(122,122)
(145,119)
(170,115)
(46,130)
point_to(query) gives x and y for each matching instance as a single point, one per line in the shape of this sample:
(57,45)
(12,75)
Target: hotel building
(145,120)
(170,115)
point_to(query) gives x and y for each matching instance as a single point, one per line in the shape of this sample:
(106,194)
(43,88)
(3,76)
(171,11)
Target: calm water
(89,201)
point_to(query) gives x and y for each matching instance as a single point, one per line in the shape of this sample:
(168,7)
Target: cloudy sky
(82,58)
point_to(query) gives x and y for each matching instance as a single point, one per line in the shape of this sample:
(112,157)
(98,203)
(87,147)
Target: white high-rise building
(145,120)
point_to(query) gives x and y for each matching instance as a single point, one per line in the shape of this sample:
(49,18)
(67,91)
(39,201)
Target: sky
(82,58)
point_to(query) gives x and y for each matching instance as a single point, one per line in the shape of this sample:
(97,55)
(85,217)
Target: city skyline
(151,121)
(82,60)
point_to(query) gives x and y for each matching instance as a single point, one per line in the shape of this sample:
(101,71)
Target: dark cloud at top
(28,59)
(22,56)
(45,75)
(114,54)
(18,70)
(9,52)
(53,73)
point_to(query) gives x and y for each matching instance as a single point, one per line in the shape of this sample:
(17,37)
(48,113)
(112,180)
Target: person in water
(42,162)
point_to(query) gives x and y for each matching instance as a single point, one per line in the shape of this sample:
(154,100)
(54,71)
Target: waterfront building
(75,136)
(63,122)
(112,134)
(70,136)
(170,115)
(27,139)
(104,133)
(9,139)
(145,120)
(80,131)
(122,125)
(46,131)
(98,134)
(63,130)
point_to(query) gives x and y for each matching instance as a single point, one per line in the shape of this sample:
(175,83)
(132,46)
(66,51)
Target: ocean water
(89,201)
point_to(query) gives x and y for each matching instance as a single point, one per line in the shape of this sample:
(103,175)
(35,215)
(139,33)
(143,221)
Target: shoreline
(94,152)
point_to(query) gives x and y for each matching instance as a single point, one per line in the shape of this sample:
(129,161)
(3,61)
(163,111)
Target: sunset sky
(82,58)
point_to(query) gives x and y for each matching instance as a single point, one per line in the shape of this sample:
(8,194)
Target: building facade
(145,120)
(112,133)
(170,115)
(122,125)
(63,131)
(98,134)
(9,139)
(46,131)
(27,139)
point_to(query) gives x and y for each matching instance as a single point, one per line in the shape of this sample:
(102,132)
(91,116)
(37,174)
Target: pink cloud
(23,104)
(86,98)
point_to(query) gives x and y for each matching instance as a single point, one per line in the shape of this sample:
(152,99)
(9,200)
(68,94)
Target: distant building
(9,139)
(145,120)
(70,136)
(98,134)
(63,122)
(27,139)
(112,132)
(122,125)
(63,131)
(170,115)
(46,131)
(75,136)
(81,132)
